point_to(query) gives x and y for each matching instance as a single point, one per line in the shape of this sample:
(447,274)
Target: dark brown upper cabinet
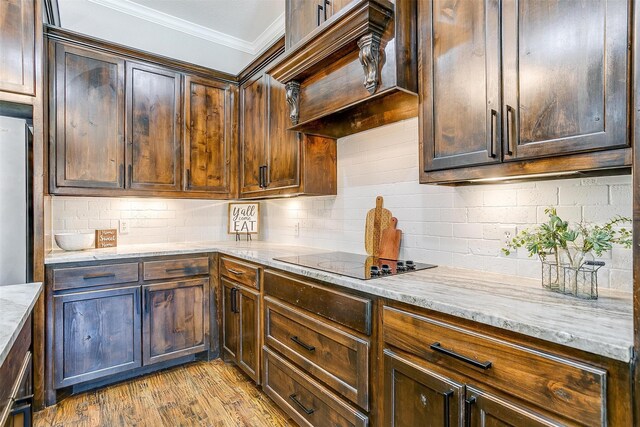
(87,112)
(275,161)
(283,148)
(209,135)
(17,46)
(356,71)
(153,128)
(565,76)
(304,16)
(129,126)
(462,122)
(561,68)
(253,132)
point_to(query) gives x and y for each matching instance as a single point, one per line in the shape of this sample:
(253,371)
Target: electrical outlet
(296,230)
(124,226)
(507,233)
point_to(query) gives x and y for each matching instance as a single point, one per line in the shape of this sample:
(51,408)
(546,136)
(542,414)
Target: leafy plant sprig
(556,235)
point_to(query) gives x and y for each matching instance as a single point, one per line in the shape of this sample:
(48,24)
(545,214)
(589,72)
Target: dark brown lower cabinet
(16,381)
(241,327)
(484,409)
(414,395)
(175,321)
(113,318)
(96,334)
(308,402)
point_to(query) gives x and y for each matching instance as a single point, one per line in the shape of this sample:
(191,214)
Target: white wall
(102,22)
(456,226)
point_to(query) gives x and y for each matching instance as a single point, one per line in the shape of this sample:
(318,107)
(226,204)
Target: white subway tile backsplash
(458,226)
(585,194)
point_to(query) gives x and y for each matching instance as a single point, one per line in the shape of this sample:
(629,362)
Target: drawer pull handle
(236,272)
(306,346)
(482,365)
(175,270)
(308,411)
(99,276)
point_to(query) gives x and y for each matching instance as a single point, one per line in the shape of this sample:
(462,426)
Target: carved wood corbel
(293,99)
(369,45)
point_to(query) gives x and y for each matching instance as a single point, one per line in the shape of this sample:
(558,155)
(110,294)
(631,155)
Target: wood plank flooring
(198,394)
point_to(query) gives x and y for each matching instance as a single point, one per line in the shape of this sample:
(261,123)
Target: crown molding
(272,32)
(269,36)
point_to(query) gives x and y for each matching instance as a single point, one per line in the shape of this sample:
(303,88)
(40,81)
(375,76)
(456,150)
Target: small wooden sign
(106,238)
(244,218)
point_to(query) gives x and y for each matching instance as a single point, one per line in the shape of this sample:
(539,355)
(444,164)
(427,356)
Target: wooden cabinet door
(253,116)
(17,46)
(153,128)
(460,82)
(565,76)
(96,334)
(283,147)
(88,106)
(301,17)
(483,409)
(230,323)
(414,395)
(332,7)
(176,319)
(208,135)
(249,326)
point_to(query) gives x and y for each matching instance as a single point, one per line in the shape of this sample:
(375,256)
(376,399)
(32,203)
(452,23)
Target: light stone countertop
(603,327)
(16,304)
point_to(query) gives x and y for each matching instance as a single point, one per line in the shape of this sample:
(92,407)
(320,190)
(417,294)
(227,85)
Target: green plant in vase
(569,246)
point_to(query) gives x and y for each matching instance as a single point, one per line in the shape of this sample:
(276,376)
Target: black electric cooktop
(354,265)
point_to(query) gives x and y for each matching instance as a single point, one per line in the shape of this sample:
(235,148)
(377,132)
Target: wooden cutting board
(390,241)
(378,219)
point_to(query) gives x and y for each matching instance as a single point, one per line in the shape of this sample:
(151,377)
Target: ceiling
(222,34)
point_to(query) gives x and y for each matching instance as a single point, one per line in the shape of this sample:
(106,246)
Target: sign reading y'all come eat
(244,218)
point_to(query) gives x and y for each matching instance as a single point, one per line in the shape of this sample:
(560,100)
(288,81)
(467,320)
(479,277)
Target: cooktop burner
(354,265)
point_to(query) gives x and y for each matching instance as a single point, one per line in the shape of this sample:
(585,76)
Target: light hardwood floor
(198,394)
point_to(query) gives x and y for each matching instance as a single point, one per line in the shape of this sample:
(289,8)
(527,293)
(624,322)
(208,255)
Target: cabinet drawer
(95,275)
(13,370)
(247,274)
(172,268)
(348,310)
(541,379)
(336,358)
(306,401)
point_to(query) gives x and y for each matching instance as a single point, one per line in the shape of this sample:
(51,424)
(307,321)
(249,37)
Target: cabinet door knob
(467,409)
(493,137)
(508,129)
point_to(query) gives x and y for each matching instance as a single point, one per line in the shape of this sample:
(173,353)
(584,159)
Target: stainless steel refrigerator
(15,196)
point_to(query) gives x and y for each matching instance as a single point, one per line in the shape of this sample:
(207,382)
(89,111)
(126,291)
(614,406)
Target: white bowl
(75,241)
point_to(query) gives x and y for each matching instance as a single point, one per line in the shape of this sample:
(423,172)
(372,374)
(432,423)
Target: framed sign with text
(244,218)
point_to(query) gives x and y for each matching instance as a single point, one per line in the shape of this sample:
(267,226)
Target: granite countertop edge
(8,320)
(392,288)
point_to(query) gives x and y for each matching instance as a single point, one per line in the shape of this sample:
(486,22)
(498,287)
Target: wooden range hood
(356,72)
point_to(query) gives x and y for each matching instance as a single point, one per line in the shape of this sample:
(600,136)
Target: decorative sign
(106,238)
(244,218)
